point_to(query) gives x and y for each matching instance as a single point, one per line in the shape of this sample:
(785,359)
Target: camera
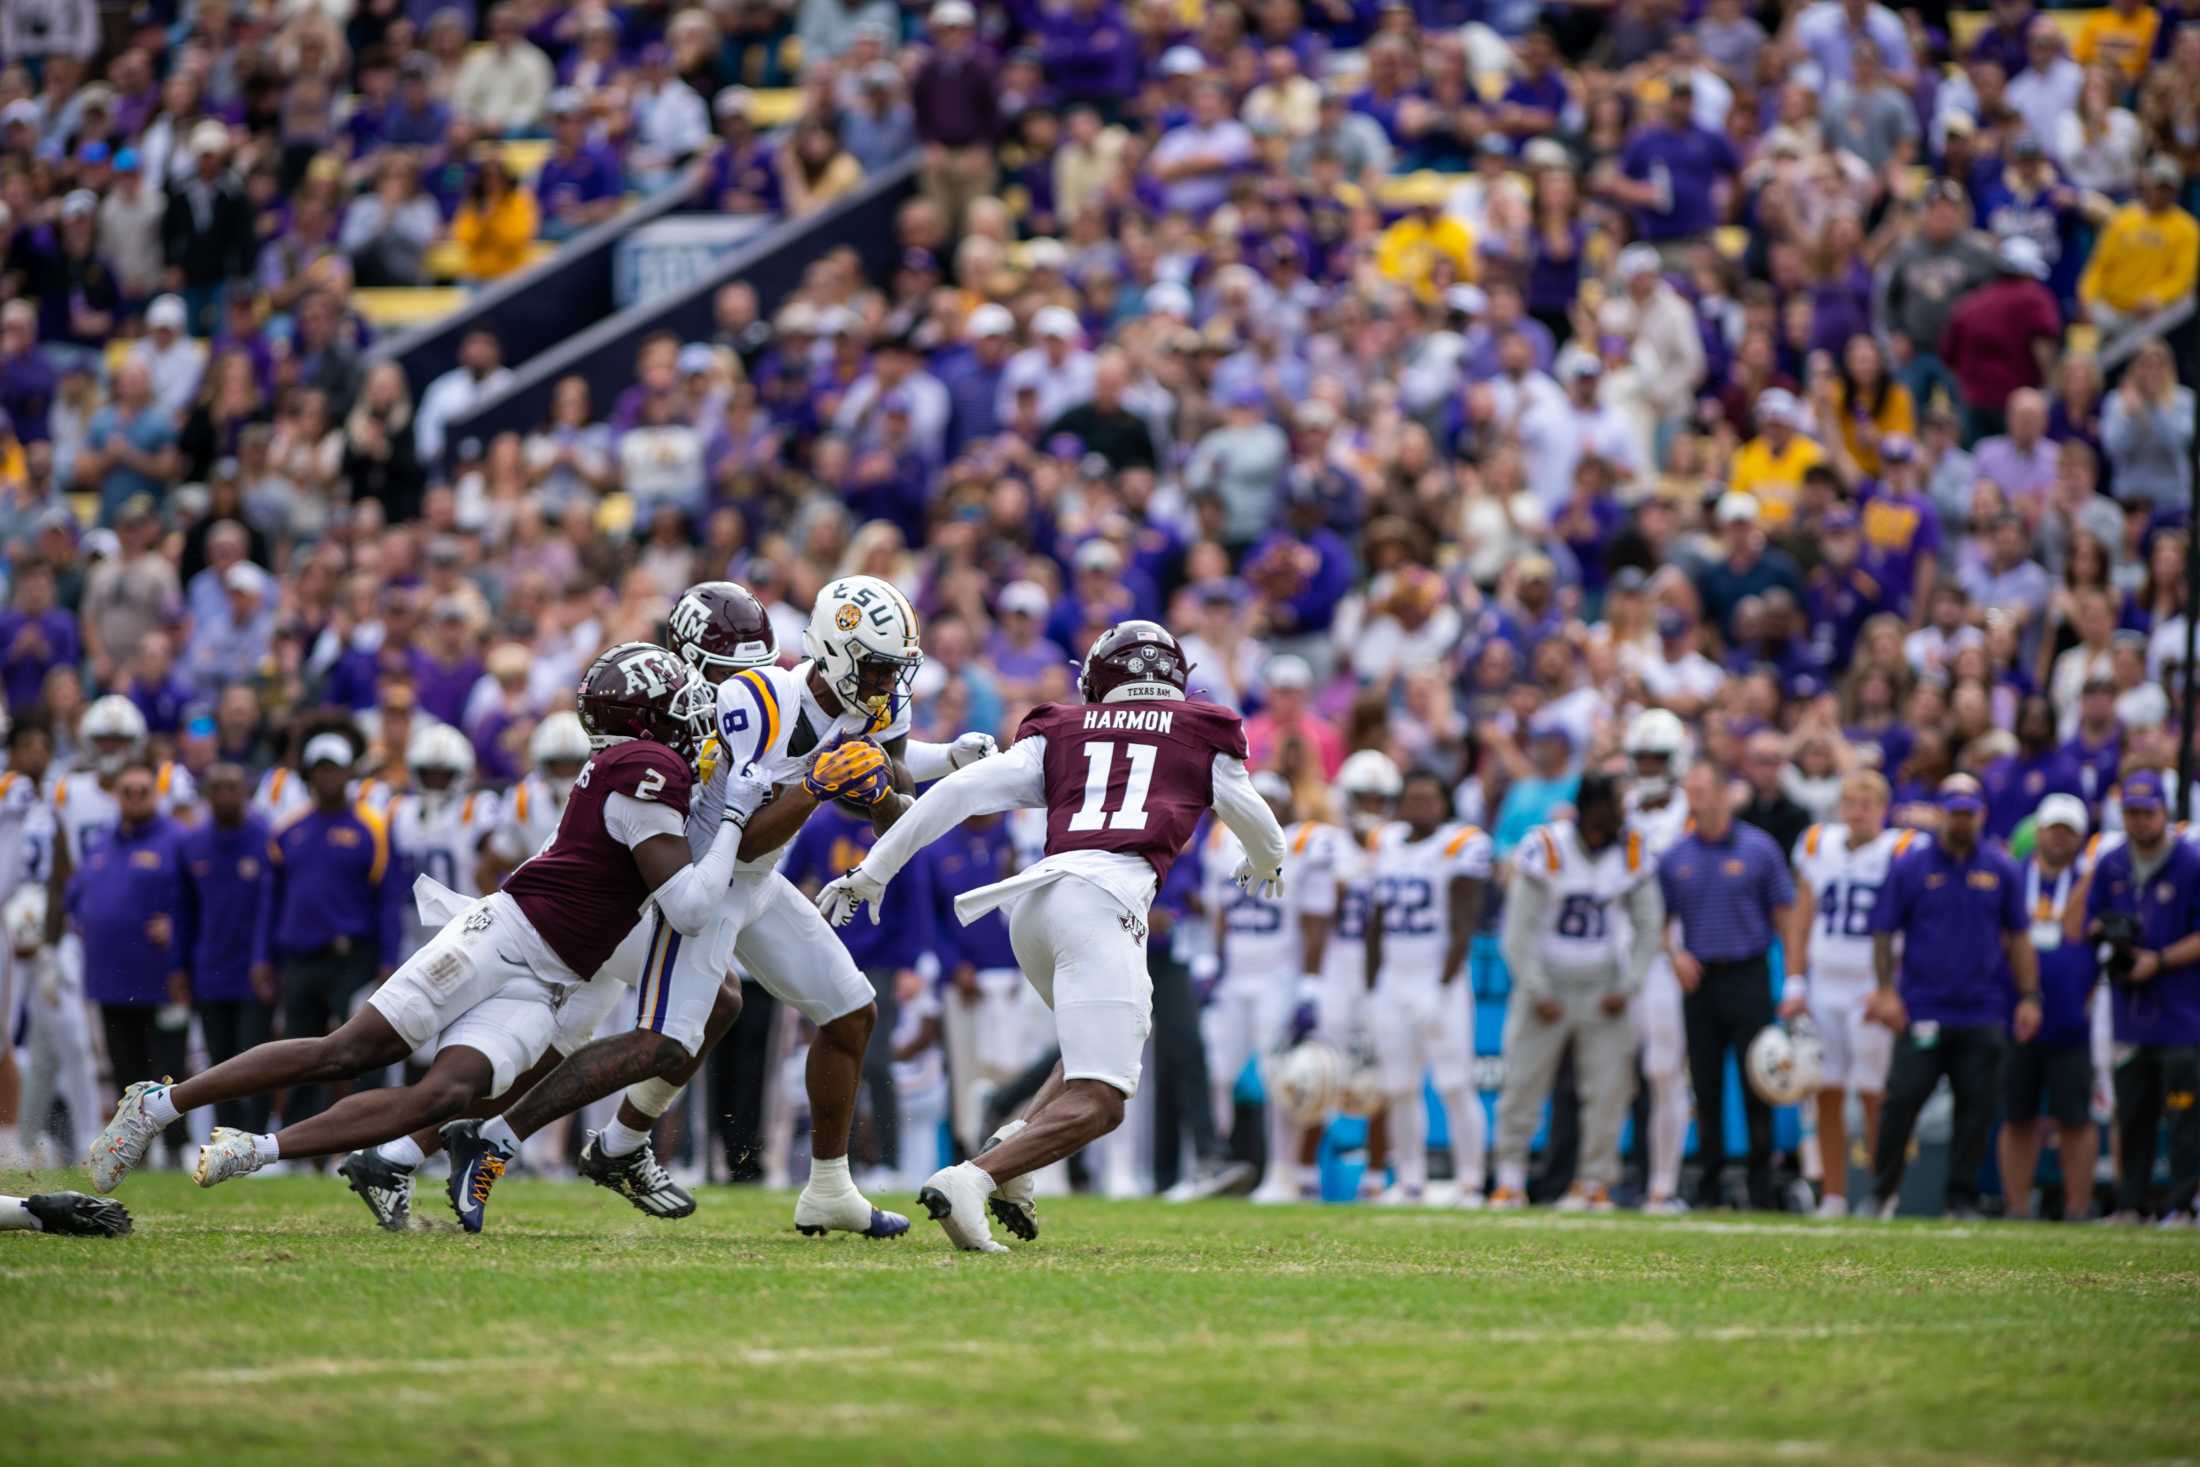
(2119,945)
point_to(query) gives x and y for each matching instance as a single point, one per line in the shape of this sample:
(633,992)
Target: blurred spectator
(2138,281)
(496,224)
(450,397)
(956,113)
(2147,429)
(2002,337)
(504,84)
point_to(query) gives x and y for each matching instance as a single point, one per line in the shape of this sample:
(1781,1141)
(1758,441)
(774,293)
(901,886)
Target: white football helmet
(1784,1062)
(438,746)
(863,637)
(1306,1081)
(559,739)
(1369,772)
(25,918)
(114,731)
(1360,1086)
(1656,733)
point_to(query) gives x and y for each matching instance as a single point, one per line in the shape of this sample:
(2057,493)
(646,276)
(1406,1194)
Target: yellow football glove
(854,769)
(706,759)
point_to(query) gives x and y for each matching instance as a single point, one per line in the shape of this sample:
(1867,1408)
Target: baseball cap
(1097,555)
(1467,299)
(80,204)
(1778,405)
(210,137)
(1897,448)
(990,319)
(1045,253)
(1637,259)
(1574,364)
(327,748)
(564,102)
(1182,61)
(22,110)
(1287,671)
(695,357)
(2068,811)
(1167,297)
(168,311)
(1840,522)
(126,160)
(1736,508)
(732,102)
(1959,795)
(953,12)
(1056,321)
(246,577)
(92,153)
(2164,170)
(2021,255)
(1027,597)
(2143,791)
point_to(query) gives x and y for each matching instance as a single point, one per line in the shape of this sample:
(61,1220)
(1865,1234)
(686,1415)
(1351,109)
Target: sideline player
(490,982)
(1839,870)
(440,825)
(1258,942)
(834,727)
(1428,875)
(556,750)
(1124,778)
(1656,745)
(1583,917)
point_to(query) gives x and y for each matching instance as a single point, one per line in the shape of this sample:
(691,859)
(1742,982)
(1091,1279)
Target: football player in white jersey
(1427,875)
(440,825)
(833,727)
(1257,945)
(556,751)
(1838,872)
(84,807)
(1583,917)
(1657,747)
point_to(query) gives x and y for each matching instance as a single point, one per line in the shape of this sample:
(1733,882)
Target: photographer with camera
(2143,908)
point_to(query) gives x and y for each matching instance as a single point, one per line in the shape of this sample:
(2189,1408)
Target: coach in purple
(1957,903)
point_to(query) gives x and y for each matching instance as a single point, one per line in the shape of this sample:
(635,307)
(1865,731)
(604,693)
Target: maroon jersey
(583,891)
(1134,776)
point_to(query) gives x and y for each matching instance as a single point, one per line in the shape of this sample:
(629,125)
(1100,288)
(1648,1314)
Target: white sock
(1668,1132)
(15,1217)
(618,1139)
(829,1175)
(1512,1176)
(1409,1140)
(1470,1137)
(404,1152)
(266,1148)
(1283,1148)
(497,1133)
(159,1109)
(652,1097)
(1007,1129)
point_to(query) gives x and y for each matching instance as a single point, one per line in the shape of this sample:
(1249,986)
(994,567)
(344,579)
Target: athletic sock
(1668,1133)
(1470,1128)
(1512,1176)
(497,1132)
(829,1175)
(1409,1140)
(159,1109)
(266,1148)
(15,1216)
(619,1139)
(404,1152)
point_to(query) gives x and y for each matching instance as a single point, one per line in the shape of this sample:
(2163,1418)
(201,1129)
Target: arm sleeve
(926,762)
(1010,781)
(1247,815)
(1646,910)
(696,892)
(1525,905)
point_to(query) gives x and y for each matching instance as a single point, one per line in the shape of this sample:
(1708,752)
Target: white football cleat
(230,1153)
(1397,1194)
(1585,1197)
(1507,1199)
(816,1214)
(1274,1193)
(1663,1207)
(122,1145)
(1833,1205)
(955,1197)
(1471,1202)
(1014,1202)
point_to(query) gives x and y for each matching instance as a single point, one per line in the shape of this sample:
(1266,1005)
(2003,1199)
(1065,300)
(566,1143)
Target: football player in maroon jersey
(1124,778)
(489,982)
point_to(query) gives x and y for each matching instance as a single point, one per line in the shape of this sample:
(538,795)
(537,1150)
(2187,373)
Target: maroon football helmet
(638,690)
(718,628)
(1132,652)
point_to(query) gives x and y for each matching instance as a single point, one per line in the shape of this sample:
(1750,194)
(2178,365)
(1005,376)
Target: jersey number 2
(1099,768)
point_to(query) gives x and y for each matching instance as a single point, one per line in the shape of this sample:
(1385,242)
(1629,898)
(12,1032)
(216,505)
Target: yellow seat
(775,106)
(114,355)
(444,260)
(1965,26)
(393,307)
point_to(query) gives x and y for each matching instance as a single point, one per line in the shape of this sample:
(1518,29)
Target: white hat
(246,577)
(953,12)
(2022,255)
(1045,254)
(2068,811)
(1182,61)
(1575,362)
(695,357)
(168,311)
(733,102)
(210,137)
(327,748)
(1637,259)
(79,204)
(1169,297)
(837,321)
(1057,321)
(22,110)
(1778,405)
(1287,671)
(1469,299)
(1546,153)
(989,319)
(1736,508)
(1028,597)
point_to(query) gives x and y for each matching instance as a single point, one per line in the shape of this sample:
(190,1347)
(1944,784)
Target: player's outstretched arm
(927,762)
(1249,819)
(1012,781)
(689,893)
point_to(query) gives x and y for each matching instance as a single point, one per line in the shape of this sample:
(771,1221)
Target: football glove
(852,769)
(1268,884)
(706,759)
(970,748)
(747,791)
(840,899)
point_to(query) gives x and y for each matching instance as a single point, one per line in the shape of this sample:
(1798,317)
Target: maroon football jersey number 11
(1130,811)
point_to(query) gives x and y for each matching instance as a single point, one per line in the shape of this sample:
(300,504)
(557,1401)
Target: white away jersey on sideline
(1411,881)
(529,817)
(1844,882)
(1588,925)
(442,838)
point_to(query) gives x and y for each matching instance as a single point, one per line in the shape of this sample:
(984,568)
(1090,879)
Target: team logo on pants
(1135,928)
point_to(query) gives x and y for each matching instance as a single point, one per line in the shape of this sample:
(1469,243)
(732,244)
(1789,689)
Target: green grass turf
(271,1323)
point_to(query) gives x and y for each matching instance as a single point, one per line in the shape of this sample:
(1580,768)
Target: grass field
(270,1323)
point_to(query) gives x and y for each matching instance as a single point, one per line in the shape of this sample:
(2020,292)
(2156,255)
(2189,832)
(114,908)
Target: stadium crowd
(1458,381)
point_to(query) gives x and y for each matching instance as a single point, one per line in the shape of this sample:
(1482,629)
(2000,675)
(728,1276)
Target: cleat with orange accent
(1586,1197)
(476,1164)
(1507,1199)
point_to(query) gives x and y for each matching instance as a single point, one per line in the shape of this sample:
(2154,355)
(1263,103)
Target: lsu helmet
(439,748)
(1656,733)
(1307,1081)
(559,739)
(1784,1062)
(863,637)
(114,730)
